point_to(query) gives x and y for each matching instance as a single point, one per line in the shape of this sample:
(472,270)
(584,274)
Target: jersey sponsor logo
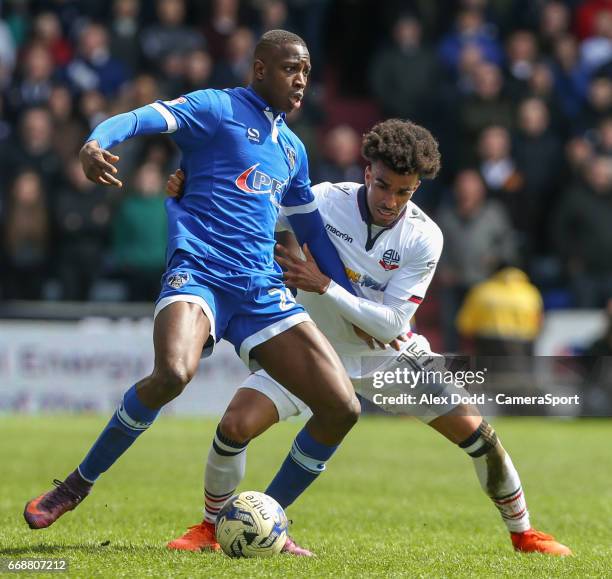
(291,155)
(364,280)
(390,260)
(178,101)
(177,280)
(254,181)
(253,135)
(344,236)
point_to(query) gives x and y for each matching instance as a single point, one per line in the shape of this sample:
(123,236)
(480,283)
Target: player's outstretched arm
(97,161)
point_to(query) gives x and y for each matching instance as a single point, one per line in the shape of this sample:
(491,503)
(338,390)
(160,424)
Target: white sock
(225,468)
(498,477)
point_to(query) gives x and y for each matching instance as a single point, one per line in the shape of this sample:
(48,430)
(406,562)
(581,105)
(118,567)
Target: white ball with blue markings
(251,524)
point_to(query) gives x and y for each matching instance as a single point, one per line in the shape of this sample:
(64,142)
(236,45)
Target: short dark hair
(404,147)
(276,38)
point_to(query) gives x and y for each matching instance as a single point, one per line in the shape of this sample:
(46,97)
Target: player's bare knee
(173,378)
(341,416)
(236,428)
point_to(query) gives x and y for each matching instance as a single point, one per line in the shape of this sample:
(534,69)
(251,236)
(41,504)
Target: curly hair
(404,147)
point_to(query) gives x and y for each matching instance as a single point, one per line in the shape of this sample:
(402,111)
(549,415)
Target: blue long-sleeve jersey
(242,163)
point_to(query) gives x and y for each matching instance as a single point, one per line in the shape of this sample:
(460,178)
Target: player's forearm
(114,130)
(309,229)
(381,321)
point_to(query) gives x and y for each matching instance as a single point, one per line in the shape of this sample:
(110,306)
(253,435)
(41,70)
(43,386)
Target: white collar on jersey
(275,118)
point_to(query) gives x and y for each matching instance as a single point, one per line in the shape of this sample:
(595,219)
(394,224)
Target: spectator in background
(404,75)
(586,16)
(571,81)
(124,33)
(598,105)
(34,149)
(235,68)
(7,55)
(603,142)
(502,315)
(68,131)
(143,90)
(342,155)
(273,15)
(596,51)
(583,235)
(478,237)
(35,79)
(93,108)
(26,238)
(537,151)
(220,25)
(522,53)
(94,68)
(499,169)
(170,36)
(470,29)
(198,71)
(82,218)
(578,153)
(139,235)
(47,31)
(486,106)
(541,86)
(553,24)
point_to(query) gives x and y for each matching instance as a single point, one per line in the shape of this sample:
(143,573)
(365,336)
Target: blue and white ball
(251,524)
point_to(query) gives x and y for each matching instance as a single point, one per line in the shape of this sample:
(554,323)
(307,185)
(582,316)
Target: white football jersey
(398,261)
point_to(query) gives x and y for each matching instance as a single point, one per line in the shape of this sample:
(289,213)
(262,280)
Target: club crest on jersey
(255,181)
(177,280)
(253,135)
(390,260)
(291,155)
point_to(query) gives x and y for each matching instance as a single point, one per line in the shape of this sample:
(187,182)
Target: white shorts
(416,353)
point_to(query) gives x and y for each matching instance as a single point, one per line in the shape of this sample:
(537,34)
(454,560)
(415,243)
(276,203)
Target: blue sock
(130,420)
(303,465)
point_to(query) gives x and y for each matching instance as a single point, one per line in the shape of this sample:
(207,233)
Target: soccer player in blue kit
(242,164)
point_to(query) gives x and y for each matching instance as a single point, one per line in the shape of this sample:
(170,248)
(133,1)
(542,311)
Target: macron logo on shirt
(254,181)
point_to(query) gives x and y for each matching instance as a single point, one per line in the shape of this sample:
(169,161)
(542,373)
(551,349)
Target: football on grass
(251,524)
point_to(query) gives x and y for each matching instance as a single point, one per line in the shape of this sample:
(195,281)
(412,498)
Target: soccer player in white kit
(390,249)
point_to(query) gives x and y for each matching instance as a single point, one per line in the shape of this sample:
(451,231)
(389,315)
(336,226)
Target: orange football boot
(200,537)
(533,541)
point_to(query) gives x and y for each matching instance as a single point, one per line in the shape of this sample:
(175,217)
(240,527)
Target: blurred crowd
(518,93)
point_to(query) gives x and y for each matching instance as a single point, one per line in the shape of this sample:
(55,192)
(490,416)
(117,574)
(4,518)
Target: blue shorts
(245,309)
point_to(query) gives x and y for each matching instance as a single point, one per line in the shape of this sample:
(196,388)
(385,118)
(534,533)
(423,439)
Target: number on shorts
(287,301)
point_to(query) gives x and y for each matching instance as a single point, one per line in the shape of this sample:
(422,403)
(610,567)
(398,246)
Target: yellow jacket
(506,306)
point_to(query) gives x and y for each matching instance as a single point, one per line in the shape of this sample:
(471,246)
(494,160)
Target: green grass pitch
(396,500)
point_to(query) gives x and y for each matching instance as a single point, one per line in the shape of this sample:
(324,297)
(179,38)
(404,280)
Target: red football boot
(200,537)
(533,541)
